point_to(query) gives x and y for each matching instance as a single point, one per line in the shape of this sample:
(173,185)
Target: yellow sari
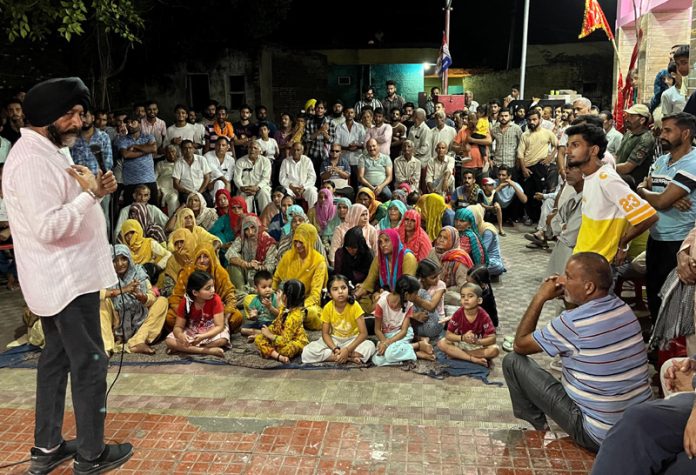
(311,271)
(202,236)
(223,287)
(432,207)
(140,246)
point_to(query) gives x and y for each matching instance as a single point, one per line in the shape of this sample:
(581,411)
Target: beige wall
(661,30)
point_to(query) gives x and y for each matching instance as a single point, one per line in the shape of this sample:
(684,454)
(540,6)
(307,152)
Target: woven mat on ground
(246,355)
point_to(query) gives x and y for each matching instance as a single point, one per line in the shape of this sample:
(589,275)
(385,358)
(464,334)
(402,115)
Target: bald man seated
(605,365)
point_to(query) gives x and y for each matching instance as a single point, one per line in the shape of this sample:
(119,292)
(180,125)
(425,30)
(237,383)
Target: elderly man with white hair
(582,106)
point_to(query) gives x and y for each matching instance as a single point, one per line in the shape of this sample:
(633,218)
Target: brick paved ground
(219,419)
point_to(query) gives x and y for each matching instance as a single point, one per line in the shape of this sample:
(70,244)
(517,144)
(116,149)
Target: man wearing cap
(63,259)
(635,154)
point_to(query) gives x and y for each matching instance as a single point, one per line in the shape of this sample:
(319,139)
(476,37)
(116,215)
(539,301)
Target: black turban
(49,100)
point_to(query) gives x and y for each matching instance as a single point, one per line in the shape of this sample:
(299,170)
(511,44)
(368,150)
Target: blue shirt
(504,196)
(605,364)
(137,170)
(82,154)
(673,224)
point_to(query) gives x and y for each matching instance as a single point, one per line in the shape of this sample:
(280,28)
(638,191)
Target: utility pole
(448,9)
(523,65)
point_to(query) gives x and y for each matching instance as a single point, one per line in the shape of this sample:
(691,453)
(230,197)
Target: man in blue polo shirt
(605,364)
(671,189)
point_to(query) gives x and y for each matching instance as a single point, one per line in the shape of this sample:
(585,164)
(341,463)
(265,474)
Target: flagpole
(523,65)
(448,8)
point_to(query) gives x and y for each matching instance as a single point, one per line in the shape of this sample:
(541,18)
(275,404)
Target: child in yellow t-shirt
(482,130)
(343,334)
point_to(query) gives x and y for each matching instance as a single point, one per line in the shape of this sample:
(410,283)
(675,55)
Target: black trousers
(74,346)
(660,260)
(536,182)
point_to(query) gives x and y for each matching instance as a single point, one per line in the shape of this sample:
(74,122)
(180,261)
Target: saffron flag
(594,19)
(444,60)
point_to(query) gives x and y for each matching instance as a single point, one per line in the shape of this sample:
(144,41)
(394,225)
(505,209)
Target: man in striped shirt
(605,365)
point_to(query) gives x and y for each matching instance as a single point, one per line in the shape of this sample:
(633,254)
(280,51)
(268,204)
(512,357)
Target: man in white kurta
(297,175)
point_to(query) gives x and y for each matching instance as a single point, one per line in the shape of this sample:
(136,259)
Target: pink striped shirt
(59,231)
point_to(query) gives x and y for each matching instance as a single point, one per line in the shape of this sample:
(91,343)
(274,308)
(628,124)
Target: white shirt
(436,168)
(297,173)
(345,137)
(420,136)
(269,148)
(191,176)
(164,170)
(187,132)
(446,134)
(59,231)
(252,174)
(217,169)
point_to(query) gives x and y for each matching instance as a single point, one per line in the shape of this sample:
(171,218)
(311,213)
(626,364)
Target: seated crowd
(379,225)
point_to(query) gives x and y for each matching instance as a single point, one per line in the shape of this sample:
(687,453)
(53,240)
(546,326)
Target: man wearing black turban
(63,260)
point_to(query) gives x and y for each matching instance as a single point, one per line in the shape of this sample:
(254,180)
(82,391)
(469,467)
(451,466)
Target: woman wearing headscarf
(392,261)
(490,241)
(401,195)
(367,198)
(223,226)
(228,226)
(342,207)
(139,212)
(296,216)
(130,307)
(205,217)
(413,236)
(253,250)
(323,211)
(435,213)
(143,250)
(395,214)
(182,245)
(358,215)
(186,219)
(205,259)
(275,227)
(469,238)
(304,263)
(354,258)
(454,261)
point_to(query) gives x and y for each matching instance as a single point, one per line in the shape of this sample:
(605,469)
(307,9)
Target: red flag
(594,19)
(619,106)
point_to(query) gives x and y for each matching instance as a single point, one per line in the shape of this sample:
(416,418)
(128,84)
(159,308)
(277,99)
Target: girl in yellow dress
(285,337)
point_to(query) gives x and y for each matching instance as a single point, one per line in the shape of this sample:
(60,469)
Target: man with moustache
(337,117)
(601,378)
(612,214)
(64,260)
(82,154)
(15,116)
(670,188)
(635,153)
(137,150)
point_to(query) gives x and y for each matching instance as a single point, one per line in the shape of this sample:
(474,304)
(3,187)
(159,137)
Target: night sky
(480,33)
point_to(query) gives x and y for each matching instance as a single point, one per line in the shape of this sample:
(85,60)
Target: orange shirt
(475,154)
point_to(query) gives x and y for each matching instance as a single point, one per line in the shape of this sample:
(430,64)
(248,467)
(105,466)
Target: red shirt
(481,327)
(201,318)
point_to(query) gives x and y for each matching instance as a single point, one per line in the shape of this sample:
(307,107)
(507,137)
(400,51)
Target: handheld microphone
(97,152)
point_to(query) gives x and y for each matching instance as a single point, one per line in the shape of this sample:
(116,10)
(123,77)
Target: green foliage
(37,20)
